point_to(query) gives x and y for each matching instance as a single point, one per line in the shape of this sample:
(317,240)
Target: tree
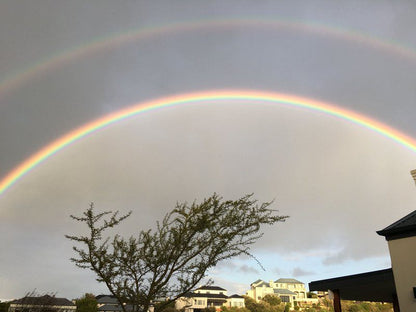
(310,294)
(262,306)
(273,300)
(87,303)
(172,259)
(234,309)
(4,306)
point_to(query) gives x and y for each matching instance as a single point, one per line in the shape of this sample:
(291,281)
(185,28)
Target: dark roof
(106,299)
(205,295)
(262,284)
(288,281)
(236,296)
(282,291)
(405,227)
(101,296)
(210,288)
(256,282)
(375,286)
(114,307)
(44,300)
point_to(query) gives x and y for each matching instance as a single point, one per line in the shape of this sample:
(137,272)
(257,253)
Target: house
(42,303)
(208,297)
(396,284)
(109,303)
(401,240)
(288,289)
(235,301)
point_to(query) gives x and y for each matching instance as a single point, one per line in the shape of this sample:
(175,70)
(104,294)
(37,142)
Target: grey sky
(339,182)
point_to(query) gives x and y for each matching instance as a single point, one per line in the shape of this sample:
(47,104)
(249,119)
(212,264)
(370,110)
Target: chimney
(413,173)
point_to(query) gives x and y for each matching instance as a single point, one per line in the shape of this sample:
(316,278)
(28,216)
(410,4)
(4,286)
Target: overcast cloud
(338,182)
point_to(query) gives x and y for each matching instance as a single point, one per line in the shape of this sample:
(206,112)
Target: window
(285,298)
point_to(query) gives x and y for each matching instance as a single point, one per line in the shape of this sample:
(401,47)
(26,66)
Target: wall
(403,261)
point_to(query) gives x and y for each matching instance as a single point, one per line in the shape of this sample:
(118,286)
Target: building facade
(401,239)
(288,289)
(208,297)
(42,303)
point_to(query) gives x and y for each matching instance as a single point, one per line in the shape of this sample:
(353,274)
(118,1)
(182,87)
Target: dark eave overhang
(377,286)
(402,232)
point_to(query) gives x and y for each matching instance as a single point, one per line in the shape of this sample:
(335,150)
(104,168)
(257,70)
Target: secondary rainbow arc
(202,97)
(14,80)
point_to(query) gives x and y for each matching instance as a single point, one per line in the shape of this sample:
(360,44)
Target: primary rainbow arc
(202,97)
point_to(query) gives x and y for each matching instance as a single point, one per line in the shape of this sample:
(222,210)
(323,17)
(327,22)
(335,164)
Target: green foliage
(366,306)
(287,307)
(168,307)
(310,294)
(352,306)
(261,306)
(198,236)
(234,309)
(87,303)
(254,306)
(4,306)
(273,300)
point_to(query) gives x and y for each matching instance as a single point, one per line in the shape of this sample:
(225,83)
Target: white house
(208,297)
(288,289)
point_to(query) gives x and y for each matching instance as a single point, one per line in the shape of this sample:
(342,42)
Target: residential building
(235,301)
(288,289)
(401,240)
(42,303)
(109,303)
(208,297)
(396,284)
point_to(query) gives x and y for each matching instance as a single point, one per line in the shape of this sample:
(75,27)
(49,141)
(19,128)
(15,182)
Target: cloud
(337,182)
(277,271)
(298,272)
(247,269)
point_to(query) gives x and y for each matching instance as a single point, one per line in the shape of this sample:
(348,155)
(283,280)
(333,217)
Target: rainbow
(206,97)
(14,80)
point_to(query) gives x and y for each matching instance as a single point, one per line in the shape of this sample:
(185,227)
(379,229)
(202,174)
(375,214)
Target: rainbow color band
(13,81)
(202,97)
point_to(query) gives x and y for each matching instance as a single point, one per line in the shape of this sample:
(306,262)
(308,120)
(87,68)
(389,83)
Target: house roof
(236,296)
(114,307)
(282,291)
(44,300)
(256,282)
(205,295)
(106,299)
(405,227)
(262,284)
(102,296)
(288,281)
(375,286)
(210,288)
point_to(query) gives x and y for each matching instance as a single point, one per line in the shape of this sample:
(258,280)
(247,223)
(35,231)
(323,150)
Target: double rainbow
(202,98)
(52,62)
